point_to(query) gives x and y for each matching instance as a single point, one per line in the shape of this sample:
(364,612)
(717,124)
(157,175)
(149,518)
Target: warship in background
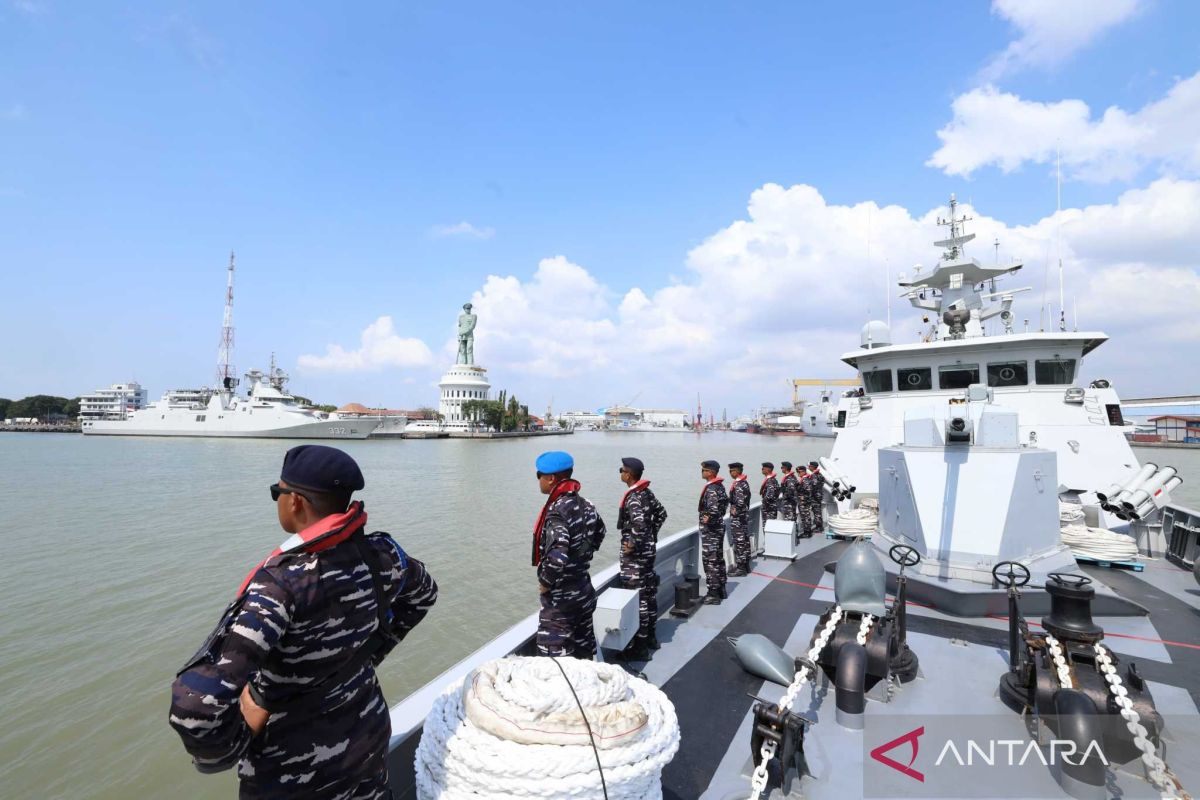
(266,410)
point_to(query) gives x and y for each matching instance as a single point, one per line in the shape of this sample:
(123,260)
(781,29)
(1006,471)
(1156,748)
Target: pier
(53,427)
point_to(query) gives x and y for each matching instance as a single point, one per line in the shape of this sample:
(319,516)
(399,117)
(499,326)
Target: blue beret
(554,461)
(321,469)
(713,465)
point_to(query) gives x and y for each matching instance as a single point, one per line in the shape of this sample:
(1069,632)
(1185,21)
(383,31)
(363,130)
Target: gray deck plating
(961,662)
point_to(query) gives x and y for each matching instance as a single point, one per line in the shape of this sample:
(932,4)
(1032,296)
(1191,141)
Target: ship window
(1055,370)
(1114,415)
(1008,373)
(958,376)
(913,379)
(199,418)
(877,380)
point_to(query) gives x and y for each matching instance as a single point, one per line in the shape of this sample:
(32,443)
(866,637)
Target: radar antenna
(225,371)
(954,244)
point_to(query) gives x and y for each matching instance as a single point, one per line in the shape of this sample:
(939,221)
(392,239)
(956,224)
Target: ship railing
(678,556)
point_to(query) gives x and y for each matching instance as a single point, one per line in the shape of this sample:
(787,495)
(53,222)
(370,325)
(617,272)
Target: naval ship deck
(961,662)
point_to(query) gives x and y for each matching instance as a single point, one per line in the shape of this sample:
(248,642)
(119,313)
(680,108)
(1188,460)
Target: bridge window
(877,380)
(1054,371)
(1008,373)
(913,379)
(958,376)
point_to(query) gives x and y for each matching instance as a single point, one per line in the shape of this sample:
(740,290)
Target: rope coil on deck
(1098,544)
(512,729)
(861,521)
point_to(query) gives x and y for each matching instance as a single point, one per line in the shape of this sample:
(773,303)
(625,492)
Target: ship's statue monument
(466,380)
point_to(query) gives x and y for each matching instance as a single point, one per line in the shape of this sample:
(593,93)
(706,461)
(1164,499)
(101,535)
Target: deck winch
(1077,687)
(859,643)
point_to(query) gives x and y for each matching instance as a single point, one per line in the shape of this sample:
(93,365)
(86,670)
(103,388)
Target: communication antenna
(888,261)
(225,372)
(1062,310)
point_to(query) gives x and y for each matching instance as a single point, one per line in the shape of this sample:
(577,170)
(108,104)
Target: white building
(664,417)
(462,382)
(582,419)
(114,402)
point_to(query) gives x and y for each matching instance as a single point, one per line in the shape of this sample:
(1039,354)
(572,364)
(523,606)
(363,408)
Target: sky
(645,203)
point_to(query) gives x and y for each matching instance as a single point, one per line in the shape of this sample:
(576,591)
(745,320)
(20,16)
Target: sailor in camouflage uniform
(567,532)
(285,687)
(769,492)
(789,489)
(640,518)
(813,498)
(713,504)
(739,520)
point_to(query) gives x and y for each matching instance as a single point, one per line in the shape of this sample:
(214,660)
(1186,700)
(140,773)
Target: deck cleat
(1076,688)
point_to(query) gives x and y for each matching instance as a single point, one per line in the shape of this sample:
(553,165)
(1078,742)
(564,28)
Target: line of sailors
(569,530)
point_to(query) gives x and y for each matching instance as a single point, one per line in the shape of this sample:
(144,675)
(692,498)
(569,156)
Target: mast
(226,375)
(1062,309)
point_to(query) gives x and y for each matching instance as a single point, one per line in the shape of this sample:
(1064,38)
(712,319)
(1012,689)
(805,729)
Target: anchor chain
(1156,768)
(758,781)
(1060,662)
(864,629)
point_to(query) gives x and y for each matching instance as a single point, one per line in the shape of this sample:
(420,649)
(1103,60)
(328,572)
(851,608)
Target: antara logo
(910,738)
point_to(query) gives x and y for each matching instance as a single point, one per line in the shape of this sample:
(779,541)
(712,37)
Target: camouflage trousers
(565,624)
(712,548)
(739,531)
(811,521)
(787,510)
(770,512)
(639,574)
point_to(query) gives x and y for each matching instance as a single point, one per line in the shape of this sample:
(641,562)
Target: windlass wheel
(1070,579)
(904,555)
(1014,573)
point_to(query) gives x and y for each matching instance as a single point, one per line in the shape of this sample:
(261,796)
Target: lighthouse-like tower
(466,380)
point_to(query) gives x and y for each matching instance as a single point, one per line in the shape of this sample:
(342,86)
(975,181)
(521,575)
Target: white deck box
(780,538)
(616,617)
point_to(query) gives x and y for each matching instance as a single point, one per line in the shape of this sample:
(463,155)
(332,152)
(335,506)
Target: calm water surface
(119,554)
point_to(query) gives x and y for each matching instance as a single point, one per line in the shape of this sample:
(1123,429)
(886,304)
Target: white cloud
(991,127)
(16,112)
(381,348)
(1051,31)
(783,292)
(462,229)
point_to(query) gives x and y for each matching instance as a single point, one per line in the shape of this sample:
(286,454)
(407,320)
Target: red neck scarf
(568,486)
(637,487)
(766,480)
(321,535)
(717,479)
(741,477)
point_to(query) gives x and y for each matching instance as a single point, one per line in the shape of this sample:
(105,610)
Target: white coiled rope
(861,521)
(758,781)
(1156,769)
(1099,544)
(512,729)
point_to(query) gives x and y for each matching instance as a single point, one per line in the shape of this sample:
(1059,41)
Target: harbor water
(120,553)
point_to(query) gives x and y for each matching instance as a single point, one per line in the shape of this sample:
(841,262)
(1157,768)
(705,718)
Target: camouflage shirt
(770,492)
(739,497)
(290,635)
(572,531)
(713,503)
(791,489)
(639,520)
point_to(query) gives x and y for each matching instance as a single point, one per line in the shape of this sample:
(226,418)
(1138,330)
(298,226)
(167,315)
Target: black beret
(321,469)
(768,465)
(813,465)
(713,465)
(735,465)
(634,464)
(787,465)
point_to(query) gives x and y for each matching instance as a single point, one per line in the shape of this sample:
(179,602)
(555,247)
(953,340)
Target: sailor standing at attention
(568,530)
(713,504)
(790,492)
(739,520)
(285,687)
(640,518)
(814,500)
(769,492)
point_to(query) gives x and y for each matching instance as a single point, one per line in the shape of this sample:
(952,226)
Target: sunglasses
(622,470)
(277,490)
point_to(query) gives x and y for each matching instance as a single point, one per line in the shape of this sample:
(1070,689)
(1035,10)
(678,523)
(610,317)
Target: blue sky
(340,153)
